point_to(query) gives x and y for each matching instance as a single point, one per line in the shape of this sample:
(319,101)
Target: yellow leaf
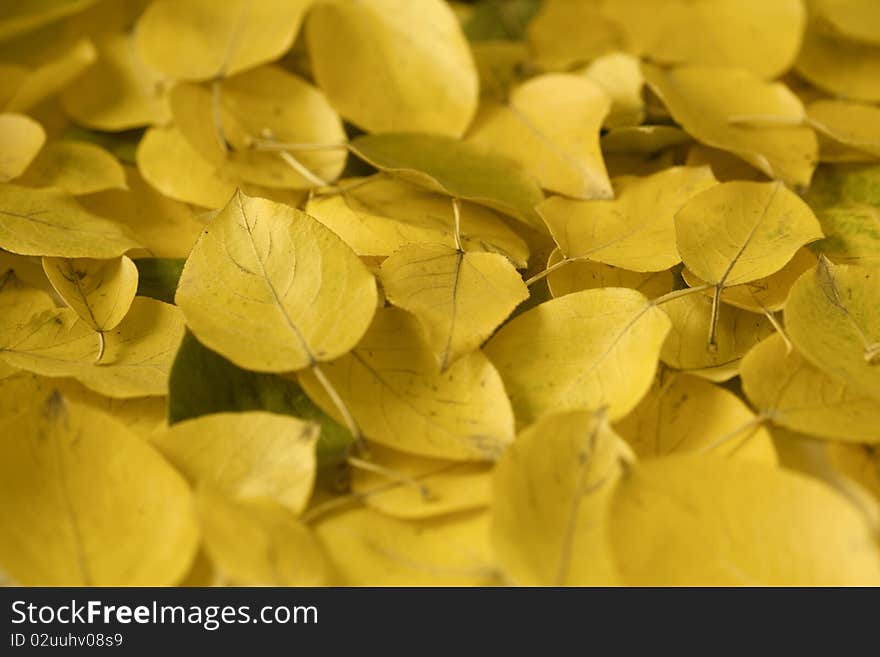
(580,275)
(167,162)
(143,416)
(853,19)
(759,36)
(588,349)
(99,291)
(18,301)
(682,413)
(367,548)
(243,126)
(635,231)
(852,234)
(859,462)
(457,168)
(392,385)
(164,227)
(213,40)
(137,356)
(844,68)
(459,297)
(855,125)
(795,394)
(738,232)
(85,502)
(564,34)
(550,127)
(736,111)
(259,543)
(273,290)
(833,318)
(550,496)
(620,76)
(247,456)
(687,347)
(27,15)
(394,65)
(22,139)
(850,469)
(75,167)
(119,91)
(768,293)
(50,73)
(376,217)
(49,222)
(702,520)
(443,486)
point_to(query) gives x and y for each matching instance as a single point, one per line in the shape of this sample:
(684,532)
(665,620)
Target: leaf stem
(713,320)
(393,475)
(340,405)
(216,90)
(302,169)
(456,215)
(749,426)
(677,294)
(101,346)
(546,272)
(272,145)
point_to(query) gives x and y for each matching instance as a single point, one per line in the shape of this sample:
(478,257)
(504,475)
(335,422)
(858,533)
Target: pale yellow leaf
(707,520)
(164,227)
(459,297)
(738,232)
(76,167)
(137,356)
(85,502)
(274,290)
(119,91)
(246,456)
(736,111)
(587,349)
(761,36)
(376,217)
(636,230)
(259,543)
(394,65)
(845,68)
(166,161)
(396,392)
(682,413)
(550,127)
(442,486)
(367,548)
(583,275)
(551,492)
(213,39)
(620,76)
(49,222)
(768,293)
(22,139)
(687,346)
(793,393)
(99,291)
(833,318)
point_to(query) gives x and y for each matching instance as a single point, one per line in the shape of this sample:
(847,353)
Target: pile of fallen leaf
(415,292)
